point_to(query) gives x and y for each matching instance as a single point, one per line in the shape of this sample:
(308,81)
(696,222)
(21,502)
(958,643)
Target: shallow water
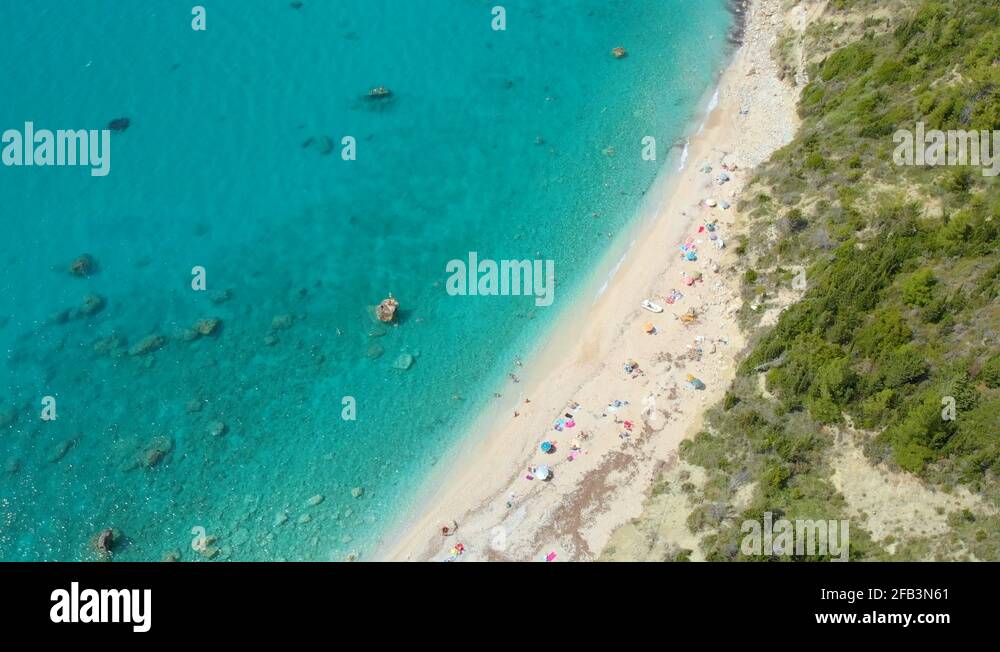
(495,142)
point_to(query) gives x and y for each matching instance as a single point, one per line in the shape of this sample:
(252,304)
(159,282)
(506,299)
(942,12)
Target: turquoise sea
(517,144)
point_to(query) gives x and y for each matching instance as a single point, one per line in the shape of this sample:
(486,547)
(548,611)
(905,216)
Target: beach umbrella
(542,472)
(546,446)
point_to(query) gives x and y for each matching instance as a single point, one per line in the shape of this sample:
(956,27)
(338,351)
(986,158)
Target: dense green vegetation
(900,321)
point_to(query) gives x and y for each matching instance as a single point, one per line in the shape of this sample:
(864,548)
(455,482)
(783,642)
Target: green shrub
(917,290)
(990,373)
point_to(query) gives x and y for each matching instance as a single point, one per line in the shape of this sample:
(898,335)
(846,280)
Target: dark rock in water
(61,317)
(109,345)
(104,542)
(323,144)
(156,451)
(147,345)
(92,304)
(83,266)
(61,449)
(207,327)
(295,5)
(282,322)
(119,125)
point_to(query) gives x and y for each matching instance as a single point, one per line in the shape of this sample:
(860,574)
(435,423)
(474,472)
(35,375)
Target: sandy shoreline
(503,515)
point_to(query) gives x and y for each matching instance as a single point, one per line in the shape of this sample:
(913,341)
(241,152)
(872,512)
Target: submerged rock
(403,362)
(217,428)
(323,144)
(119,125)
(105,541)
(92,304)
(282,322)
(172,555)
(386,310)
(207,549)
(619,53)
(156,451)
(206,327)
(315,500)
(186,335)
(61,449)
(357,492)
(108,345)
(147,345)
(84,265)
(61,317)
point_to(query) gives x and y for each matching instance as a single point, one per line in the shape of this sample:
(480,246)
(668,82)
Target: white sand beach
(604,464)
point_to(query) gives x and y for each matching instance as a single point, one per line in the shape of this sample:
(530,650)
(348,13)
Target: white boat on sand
(651,307)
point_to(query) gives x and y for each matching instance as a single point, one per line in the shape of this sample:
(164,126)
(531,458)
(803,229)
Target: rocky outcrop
(386,310)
